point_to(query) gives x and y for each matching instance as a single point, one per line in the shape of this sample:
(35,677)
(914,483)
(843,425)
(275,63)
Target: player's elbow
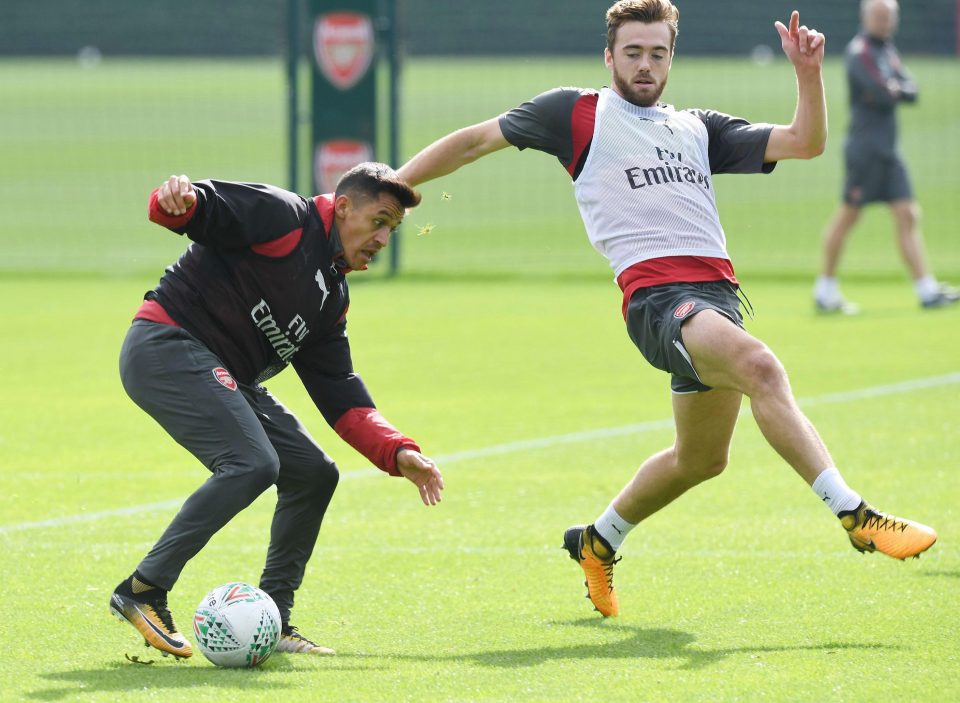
(815,149)
(810,148)
(794,143)
(481,139)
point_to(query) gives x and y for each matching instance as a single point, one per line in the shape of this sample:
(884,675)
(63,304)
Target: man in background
(875,171)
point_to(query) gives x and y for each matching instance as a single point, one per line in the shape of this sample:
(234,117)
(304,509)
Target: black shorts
(873,178)
(654,318)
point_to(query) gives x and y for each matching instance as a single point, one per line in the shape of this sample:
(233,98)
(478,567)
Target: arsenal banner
(344,87)
(343,46)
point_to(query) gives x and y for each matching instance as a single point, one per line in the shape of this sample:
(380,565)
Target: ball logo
(331,159)
(343,47)
(224,378)
(683,309)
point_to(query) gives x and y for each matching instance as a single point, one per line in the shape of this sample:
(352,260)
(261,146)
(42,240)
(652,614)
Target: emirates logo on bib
(684,309)
(224,378)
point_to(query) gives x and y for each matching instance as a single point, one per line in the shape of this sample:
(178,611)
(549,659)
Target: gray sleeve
(544,123)
(868,86)
(735,145)
(908,87)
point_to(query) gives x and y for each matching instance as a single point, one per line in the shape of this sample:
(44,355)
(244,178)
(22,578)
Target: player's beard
(628,91)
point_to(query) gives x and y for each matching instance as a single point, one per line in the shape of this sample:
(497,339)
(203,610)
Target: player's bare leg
(932,294)
(835,237)
(705,424)
(727,357)
(826,292)
(906,217)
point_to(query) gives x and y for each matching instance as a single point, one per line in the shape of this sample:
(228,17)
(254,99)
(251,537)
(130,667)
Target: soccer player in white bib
(643,179)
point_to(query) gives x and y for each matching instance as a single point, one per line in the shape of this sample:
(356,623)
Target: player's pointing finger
(782,30)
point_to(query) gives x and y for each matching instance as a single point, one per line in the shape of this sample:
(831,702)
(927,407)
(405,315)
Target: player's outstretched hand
(176,195)
(803,46)
(421,470)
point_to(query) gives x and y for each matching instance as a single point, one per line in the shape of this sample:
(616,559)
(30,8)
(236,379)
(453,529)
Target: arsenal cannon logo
(332,158)
(343,45)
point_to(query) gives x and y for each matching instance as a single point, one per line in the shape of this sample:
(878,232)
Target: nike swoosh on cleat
(163,635)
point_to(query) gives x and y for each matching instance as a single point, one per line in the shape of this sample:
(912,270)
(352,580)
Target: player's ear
(342,205)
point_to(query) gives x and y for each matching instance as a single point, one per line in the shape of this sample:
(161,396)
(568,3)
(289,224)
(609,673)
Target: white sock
(826,288)
(833,490)
(612,527)
(926,287)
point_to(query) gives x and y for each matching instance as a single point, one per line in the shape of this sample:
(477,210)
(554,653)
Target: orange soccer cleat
(597,560)
(149,614)
(870,530)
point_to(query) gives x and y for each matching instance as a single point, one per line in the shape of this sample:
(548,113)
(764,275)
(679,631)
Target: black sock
(139,585)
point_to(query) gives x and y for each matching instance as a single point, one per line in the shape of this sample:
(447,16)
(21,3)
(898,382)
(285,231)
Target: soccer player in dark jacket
(875,170)
(262,286)
(643,176)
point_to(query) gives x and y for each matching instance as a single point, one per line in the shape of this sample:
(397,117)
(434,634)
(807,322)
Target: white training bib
(646,190)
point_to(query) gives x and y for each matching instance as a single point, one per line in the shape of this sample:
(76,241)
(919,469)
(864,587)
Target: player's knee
(714,468)
(908,214)
(763,371)
(707,468)
(699,464)
(914,214)
(325,476)
(317,476)
(264,469)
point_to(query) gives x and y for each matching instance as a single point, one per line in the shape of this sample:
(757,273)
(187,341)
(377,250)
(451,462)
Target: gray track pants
(247,440)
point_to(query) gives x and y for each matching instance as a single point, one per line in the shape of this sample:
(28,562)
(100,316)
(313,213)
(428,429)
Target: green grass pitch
(744,589)
(520,380)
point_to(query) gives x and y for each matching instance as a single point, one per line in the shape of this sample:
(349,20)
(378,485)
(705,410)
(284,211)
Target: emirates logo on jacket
(285,342)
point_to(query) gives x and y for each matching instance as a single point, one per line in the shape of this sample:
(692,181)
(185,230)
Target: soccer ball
(237,625)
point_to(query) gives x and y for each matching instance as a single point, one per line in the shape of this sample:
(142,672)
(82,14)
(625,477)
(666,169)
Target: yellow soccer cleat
(292,642)
(870,530)
(597,560)
(149,614)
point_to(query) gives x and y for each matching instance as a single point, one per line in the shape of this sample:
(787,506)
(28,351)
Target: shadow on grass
(639,644)
(178,677)
(123,677)
(943,574)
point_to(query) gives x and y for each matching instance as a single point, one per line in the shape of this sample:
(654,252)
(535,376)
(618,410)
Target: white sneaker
(945,295)
(836,305)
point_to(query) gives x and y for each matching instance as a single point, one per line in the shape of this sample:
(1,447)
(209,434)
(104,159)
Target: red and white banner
(332,158)
(343,44)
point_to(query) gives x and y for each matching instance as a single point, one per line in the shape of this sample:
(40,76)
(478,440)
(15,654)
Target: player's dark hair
(369,179)
(646,11)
